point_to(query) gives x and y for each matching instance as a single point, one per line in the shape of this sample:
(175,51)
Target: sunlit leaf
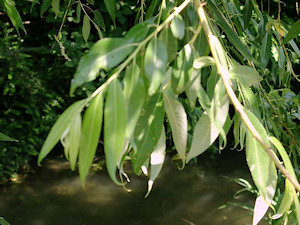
(91,129)
(262,168)
(134,91)
(178,121)
(177,27)
(293,32)
(86,28)
(115,120)
(55,6)
(245,75)
(260,209)
(4,137)
(182,70)
(193,88)
(170,42)
(147,131)
(157,159)
(289,188)
(105,54)
(155,64)
(59,127)
(205,132)
(203,61)
(111,9)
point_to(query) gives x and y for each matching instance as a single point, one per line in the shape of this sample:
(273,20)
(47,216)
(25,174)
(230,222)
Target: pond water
(53,196)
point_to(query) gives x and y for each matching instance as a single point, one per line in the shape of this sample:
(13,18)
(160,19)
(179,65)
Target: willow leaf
(105,54)
(232,36)
(178,122)
(115,120)
(90,134)
(111,9)
(203,61)
(86,28)
(245,75)
(55,6)
(155,64)
(293,32)
(134,91)
(157,159)
(182,70)
(147,131)
(59,127)
(177,27)
(4,137)
(170,42)
(262,168)
(10,8)
(74,139)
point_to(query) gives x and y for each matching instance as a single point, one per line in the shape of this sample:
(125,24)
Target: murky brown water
(54,196)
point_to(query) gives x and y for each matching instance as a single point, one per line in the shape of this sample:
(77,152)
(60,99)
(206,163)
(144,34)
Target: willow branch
(224,74)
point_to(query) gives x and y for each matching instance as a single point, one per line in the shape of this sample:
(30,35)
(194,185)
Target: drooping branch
(224,74)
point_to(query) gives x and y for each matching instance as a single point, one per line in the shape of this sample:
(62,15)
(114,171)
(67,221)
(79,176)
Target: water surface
(53,196)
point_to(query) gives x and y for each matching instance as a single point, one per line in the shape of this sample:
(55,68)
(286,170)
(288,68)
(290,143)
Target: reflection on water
(53,196)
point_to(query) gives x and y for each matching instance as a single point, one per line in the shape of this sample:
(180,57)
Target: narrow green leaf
(266,50)
(177,27)
(4,137)
(59,127)
(78,12)
(105,54)
(155,64)
(262,168)
(232,36)
(152,9)
(157,159)
(193,88)
(9,7)
(98,19)
(147,131)
(55,6)
(247,13)
(111,9)
(74,139)
(90,134)
(86,28)
(170,42)
(3,221)
(205,132)
(293,32)
(182,70)
(246,75)
(203,61)
(45,5)
(139,31)
(178,122)
(134,91)
(115,119)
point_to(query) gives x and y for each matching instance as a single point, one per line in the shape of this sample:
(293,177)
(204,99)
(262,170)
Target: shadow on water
(54,196)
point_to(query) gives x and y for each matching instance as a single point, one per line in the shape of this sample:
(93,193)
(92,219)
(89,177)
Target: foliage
(180,69)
